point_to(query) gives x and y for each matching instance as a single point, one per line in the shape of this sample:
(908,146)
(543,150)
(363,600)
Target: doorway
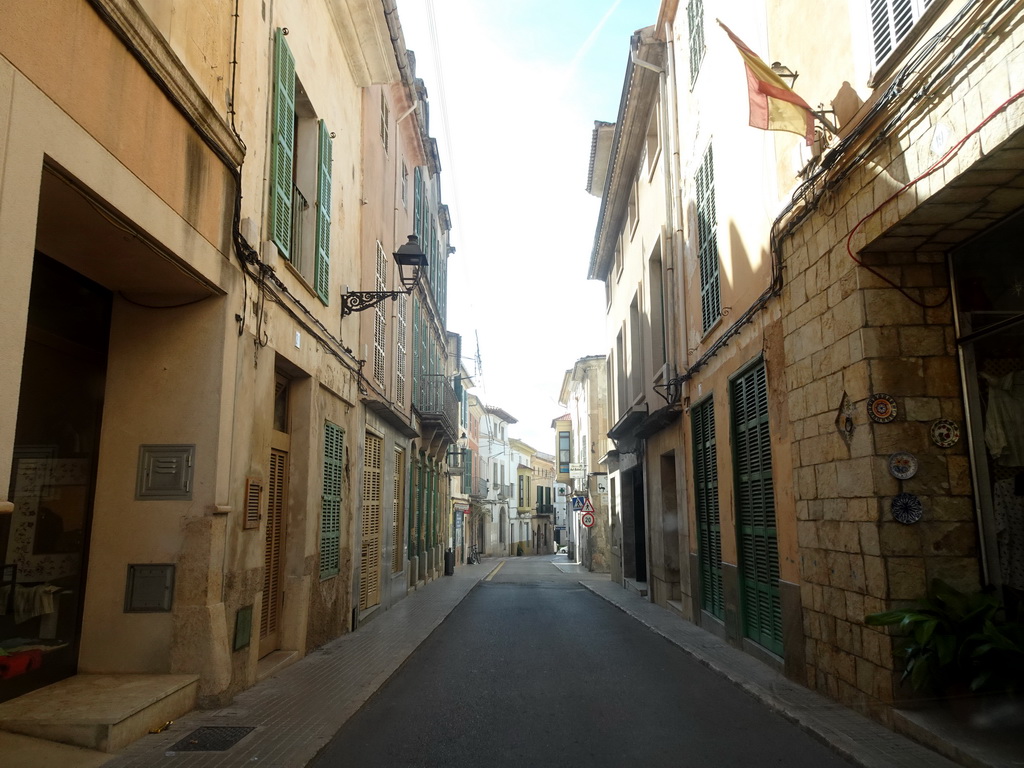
(44,540)
(276,531)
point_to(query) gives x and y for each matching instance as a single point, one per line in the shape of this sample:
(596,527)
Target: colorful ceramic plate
(906,508)
(881,408)
(945,433)
(903,465)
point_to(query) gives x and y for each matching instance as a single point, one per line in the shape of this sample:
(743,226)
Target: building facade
(581,437)
(792,323)
(216,462)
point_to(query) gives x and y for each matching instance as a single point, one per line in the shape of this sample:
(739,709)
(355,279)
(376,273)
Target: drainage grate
(211,738)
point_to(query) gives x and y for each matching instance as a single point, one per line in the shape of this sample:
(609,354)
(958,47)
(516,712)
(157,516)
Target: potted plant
(956,643)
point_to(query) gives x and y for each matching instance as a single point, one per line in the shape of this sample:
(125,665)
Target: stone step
(100,712)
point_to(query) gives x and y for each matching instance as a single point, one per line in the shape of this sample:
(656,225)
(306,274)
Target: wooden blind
(282,146)
(380,317)
(330,500)
(369,579)
(755,510)
(272,552)
(695,23)
(707,243)
(322,273)
(398,514)
(253,502)
(709,528)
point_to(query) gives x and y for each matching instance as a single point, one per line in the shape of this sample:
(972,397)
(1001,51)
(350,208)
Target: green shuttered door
(709,529)
(755,508)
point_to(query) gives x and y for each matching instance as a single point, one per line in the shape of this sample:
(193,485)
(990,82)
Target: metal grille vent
(212,738)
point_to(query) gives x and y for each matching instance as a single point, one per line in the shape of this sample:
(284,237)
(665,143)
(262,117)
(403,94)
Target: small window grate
(253,501)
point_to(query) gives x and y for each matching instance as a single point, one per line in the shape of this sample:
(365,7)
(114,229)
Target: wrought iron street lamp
(411,262)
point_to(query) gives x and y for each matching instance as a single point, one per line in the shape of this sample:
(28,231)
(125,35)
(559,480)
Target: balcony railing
(478,488)
(299,208)
(437,405)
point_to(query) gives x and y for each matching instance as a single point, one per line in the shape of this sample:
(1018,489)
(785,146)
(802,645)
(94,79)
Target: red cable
(950,153)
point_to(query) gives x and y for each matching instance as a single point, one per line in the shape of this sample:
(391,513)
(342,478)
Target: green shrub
(958,642)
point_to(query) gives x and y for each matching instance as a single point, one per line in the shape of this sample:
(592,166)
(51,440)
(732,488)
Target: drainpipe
(676,216)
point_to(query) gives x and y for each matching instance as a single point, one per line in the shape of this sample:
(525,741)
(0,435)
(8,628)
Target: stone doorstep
(100,712)
(636,587)
(979,733)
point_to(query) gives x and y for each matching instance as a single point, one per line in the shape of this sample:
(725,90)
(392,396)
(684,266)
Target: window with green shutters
(300,177)
(755,510)
(709,528)
(322,275)
(695,23)
(282,146)
(707,243)
(330,500)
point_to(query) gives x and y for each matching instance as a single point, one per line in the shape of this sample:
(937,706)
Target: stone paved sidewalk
(297,711)
(853,735)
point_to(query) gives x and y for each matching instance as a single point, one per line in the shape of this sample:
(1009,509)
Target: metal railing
(299,208)
(436,402)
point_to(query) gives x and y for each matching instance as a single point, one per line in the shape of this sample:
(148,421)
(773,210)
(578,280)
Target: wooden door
(369,580)
(273,553)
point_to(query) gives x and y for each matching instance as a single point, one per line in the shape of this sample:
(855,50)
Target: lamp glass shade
(411,261)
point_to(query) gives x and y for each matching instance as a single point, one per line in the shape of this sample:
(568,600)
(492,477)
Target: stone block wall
(850,334)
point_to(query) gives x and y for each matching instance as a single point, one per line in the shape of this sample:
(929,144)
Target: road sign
(587,506)
(578,503)
(588,519)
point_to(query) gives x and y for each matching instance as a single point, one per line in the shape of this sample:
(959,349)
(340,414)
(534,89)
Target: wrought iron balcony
(478,489)
(438,408)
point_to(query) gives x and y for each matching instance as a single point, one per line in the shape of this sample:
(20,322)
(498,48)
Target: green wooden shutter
(282,147)
(695,22)
(330,509)
(709,529)
(707,243)
(322,274)
(755,510)
(417,208)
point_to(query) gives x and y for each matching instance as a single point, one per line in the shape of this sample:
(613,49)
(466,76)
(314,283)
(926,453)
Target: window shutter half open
(282,146)
(321,278)
(330,510)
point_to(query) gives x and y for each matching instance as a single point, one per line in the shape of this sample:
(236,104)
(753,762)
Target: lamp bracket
(357,301)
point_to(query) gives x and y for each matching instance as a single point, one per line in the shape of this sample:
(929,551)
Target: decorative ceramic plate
(906,508)
(881,408)
(945,433)
(903,465)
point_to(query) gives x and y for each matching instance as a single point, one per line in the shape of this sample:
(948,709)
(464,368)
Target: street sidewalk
(289,717)
(855,736)
(292,714)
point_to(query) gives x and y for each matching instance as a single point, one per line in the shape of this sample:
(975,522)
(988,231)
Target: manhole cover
(211,738)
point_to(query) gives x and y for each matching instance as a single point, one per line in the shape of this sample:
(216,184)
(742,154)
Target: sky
(514,88)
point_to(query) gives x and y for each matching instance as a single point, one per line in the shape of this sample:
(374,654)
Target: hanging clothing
(1009,514)
(1004,418)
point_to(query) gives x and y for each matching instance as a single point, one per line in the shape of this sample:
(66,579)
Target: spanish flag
(773,105)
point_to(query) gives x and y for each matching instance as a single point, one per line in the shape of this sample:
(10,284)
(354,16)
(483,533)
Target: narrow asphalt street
(532,669)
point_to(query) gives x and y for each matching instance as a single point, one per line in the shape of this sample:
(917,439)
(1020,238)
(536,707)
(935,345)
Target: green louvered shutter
(282,147)
(707,243)
(755,510)
(322,275)
(330,509)
(417,208)
(709,529)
